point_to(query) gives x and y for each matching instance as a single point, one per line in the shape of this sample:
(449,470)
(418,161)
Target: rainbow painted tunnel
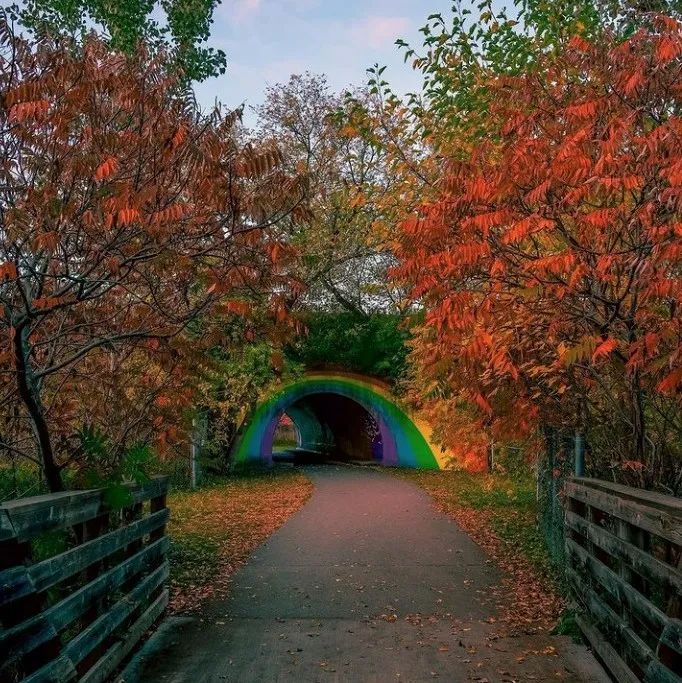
(340,417)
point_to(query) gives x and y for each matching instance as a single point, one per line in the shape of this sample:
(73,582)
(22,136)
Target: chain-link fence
(563,457)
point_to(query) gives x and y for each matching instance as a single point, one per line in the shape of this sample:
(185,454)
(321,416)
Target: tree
(477,41)
(374,345)
(127,220)
(182,30)
(342,243)
(550,264)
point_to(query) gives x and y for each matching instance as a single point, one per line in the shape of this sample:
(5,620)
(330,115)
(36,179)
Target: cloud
(378,31)
(243,10)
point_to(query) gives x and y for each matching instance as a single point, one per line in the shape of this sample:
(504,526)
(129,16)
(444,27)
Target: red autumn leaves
(549,266)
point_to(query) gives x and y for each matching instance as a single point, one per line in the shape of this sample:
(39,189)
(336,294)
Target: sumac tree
(126,217)
(550,264)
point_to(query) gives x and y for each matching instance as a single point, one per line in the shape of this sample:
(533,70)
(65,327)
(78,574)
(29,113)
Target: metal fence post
(579,453)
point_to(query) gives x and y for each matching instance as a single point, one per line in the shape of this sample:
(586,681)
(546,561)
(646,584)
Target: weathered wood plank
(20,581)
(19,640)
(640,561)
(108,663)
(28,635)
(614,584)
(609,622)
(6,529)
(86,641)
(156,487)
(657,673)
(652,519)
(620,670)
(32,516)
(652,498)
(672,636)
(60,670)
(140,576)
(612,569)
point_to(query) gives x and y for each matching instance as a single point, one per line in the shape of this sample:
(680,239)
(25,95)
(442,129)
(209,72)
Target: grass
(214,529)
(500,513)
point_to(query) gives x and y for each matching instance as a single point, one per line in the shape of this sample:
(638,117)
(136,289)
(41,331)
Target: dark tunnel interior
(328,427)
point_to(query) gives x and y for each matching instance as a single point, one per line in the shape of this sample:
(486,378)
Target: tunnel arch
(403,439)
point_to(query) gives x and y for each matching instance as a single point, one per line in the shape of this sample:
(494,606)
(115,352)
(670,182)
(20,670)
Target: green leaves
(374,345)
(179,27)
(478,41)
(111,468)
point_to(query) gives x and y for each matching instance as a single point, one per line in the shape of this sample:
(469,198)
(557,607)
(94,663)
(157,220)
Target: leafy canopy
(181,27)
(549,265)
(373,345)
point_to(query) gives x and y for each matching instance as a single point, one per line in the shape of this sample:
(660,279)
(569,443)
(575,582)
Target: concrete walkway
(368,583)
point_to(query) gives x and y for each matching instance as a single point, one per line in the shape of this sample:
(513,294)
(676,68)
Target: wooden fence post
(75,613)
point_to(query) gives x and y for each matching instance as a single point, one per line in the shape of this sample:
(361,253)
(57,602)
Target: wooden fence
(81,581)
(624,554)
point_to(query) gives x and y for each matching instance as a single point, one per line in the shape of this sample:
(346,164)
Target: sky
(268,40)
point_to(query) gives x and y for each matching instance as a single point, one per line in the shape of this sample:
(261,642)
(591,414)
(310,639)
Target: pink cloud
(379,31)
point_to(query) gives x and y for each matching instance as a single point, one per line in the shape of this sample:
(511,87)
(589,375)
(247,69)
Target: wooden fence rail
(624,554)
(80,582)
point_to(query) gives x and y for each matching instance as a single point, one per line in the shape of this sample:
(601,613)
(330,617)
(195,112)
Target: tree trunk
(638,419)
(29,395)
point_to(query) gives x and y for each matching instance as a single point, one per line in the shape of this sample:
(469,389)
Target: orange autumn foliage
(549,267)
(131,223)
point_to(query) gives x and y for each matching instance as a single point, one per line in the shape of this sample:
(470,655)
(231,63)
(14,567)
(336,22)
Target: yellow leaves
(587,349)
(569,355)
(8,271)
(359,200)
(349,132)
(107,168)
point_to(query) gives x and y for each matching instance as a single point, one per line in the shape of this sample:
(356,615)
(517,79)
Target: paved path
(368,583)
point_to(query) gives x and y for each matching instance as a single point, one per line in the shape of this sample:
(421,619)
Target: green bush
(373,345)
